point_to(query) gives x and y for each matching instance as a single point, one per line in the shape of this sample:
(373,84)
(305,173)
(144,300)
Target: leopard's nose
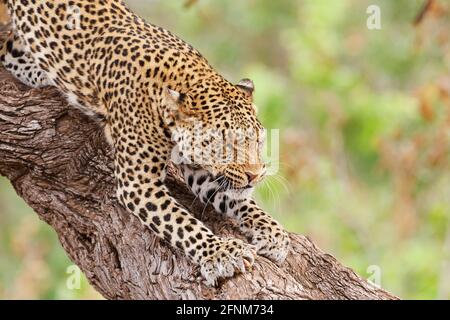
(255,173)
(252,177)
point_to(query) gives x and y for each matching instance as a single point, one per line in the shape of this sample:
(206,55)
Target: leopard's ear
(247,86)
(175,107)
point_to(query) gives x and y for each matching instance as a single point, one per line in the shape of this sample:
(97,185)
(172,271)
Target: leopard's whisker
(209,199)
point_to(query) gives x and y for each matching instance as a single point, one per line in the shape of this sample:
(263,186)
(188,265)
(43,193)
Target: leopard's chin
(239,193)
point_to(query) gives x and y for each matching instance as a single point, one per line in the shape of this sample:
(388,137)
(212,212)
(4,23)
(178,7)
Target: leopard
(152,91)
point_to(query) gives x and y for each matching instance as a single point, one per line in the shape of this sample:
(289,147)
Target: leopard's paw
(272,243)
(227,257)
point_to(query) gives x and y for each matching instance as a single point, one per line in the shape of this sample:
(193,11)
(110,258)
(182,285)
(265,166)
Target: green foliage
(364,168)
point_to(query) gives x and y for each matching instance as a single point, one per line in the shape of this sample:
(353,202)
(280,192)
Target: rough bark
(58,161)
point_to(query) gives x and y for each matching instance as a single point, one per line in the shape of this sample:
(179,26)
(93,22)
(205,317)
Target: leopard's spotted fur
(146,83)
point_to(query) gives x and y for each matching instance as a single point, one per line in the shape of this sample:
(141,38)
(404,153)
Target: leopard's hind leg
(15,59)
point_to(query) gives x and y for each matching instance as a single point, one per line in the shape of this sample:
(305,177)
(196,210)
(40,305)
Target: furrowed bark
(59,162)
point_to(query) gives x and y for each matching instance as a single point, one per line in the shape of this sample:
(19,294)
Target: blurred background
(364,119)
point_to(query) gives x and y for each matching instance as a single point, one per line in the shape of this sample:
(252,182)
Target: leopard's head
(214,128)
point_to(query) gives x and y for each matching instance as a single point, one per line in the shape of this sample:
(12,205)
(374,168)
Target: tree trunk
(59,162)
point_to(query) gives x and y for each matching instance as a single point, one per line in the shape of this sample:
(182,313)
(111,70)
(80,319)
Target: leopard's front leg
(140,171)
(267,234)
(15,59)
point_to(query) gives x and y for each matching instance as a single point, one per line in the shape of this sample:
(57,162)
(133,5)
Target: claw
(239,260)
(247,264)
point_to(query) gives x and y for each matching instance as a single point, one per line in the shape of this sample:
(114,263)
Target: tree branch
(58,161)
(423,12)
